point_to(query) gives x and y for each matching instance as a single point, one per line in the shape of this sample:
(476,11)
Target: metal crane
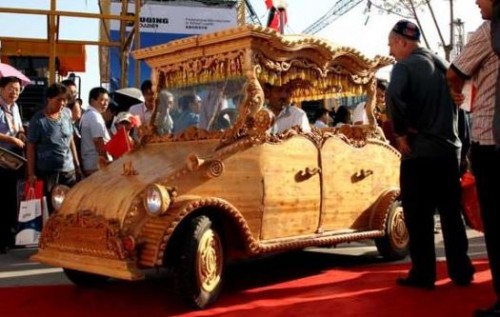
(252,16)
(339,8)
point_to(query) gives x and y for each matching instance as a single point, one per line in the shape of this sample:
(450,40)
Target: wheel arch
(382,208)
(238,238)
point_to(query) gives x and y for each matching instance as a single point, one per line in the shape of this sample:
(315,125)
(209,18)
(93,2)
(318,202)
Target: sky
(366,32)
(35,26)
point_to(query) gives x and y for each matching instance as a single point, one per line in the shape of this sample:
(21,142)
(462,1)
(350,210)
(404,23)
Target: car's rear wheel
(85,279)
(198,272)
(394,245)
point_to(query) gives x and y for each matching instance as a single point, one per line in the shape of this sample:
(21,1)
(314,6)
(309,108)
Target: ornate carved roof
(312,67)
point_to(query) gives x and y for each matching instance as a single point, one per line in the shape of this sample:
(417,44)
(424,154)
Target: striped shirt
(477,60)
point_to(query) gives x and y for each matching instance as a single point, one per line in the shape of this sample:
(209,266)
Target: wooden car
(194,199)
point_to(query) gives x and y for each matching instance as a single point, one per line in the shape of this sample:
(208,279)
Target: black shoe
(464,278)
(463,281)
(413,282)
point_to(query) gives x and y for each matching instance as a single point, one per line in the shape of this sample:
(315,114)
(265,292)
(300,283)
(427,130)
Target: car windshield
(211,106)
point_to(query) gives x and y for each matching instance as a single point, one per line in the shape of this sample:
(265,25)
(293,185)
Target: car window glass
(212,107)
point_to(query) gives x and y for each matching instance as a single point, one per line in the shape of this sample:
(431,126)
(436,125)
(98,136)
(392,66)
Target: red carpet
(277,291)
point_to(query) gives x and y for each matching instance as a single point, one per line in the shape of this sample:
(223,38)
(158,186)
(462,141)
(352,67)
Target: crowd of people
(63,144)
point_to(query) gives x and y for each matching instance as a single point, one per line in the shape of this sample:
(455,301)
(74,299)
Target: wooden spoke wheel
(199,271)
(394,245)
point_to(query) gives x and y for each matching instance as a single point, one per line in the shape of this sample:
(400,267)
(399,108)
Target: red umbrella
(8,71)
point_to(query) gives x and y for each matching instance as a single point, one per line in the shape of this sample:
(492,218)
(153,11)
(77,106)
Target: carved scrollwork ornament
(263,120)
(251,105)
(215,169)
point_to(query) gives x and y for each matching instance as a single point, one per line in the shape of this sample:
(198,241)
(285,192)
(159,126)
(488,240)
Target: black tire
(199,269)
(85,279)
(394,245)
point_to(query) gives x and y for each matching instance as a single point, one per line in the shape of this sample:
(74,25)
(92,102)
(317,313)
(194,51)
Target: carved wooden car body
(193,200)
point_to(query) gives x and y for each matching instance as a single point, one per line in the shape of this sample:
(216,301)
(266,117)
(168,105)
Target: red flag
(276,18)
(119,143)
(269,4)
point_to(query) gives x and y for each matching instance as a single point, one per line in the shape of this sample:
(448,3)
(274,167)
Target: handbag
(30,216)
(470,203)
(29,209)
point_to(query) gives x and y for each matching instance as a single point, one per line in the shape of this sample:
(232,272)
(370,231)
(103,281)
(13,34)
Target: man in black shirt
(425,120)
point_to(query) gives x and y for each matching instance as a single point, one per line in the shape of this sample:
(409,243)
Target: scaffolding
(339,8)
(53,41)
(251,15)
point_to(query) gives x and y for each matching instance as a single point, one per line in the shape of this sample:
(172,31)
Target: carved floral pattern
(201,70)
(84,233)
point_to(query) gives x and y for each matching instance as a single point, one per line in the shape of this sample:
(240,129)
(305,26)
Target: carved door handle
(362,174)
(365,173)
(312,171)
(307,173)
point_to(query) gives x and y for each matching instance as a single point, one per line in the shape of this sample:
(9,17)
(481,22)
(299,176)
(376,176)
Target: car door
(291,185)
(353,180)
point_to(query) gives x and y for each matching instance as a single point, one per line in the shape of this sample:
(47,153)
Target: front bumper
(87,242)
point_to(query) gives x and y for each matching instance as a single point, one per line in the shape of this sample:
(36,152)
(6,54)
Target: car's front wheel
(198,272)
(85,279)
(394,245)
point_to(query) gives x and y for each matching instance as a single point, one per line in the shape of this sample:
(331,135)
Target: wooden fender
(381,209)
(157,231)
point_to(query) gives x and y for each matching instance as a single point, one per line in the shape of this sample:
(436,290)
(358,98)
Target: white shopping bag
(29,219)
(27,237)
(29,210)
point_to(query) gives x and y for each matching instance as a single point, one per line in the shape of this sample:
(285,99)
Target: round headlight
(58,195)
(156,200)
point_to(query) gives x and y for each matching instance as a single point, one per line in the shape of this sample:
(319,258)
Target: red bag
(470,203)
(33,192)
